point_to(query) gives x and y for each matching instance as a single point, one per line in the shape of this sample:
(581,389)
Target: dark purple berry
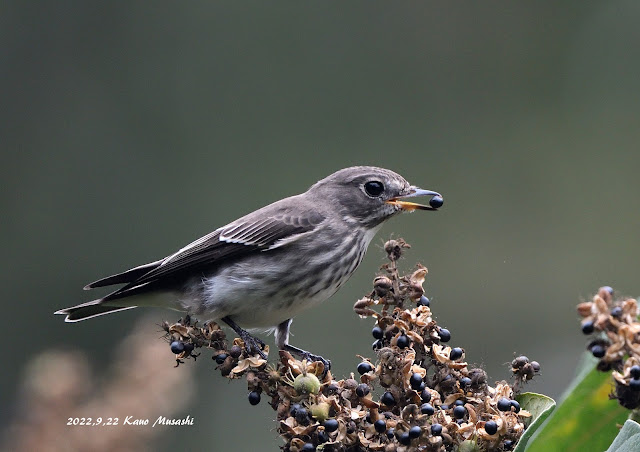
(415,431)
(377,345)
(588,327)
(459,402)
(427,408)
(415,381)
(425,395)
(424,301)
(302,416)
(308,447)
(459,412)
(235,351)
(391,433)
(616,312)
(254,397)
(456,353)
(491,427)
(380,425)
(504,404)
(598,351)
(404,438)
(331,425)
(403,341)
(362,390)
(635,372)
(516,406)
(634,384)
(445,335)
(436,429)
(364,367)
(508,444)
(177,347)
(388,399)
(444,407)
(436,202)
(294,409)
(377,332)
(322,436)
(465,381)
(220,358)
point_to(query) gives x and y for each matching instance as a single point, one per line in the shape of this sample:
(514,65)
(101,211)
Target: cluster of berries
(616,342)
(419,394)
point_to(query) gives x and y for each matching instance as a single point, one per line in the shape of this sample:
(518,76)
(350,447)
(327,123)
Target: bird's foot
(252,344)
(308,356)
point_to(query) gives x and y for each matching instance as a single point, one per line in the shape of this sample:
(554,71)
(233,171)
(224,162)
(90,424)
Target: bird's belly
(263,292)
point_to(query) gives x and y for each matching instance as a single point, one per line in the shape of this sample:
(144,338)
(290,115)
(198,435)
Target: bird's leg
(252,344)
(282,340)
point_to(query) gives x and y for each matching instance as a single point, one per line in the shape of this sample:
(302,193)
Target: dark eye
(374,188)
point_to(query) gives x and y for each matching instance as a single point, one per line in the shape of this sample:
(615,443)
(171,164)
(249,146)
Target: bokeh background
(131,128)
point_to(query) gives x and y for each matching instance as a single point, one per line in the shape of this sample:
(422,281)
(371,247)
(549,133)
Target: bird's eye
(374,188)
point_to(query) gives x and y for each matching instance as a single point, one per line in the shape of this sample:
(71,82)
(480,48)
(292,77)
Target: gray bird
(264,268)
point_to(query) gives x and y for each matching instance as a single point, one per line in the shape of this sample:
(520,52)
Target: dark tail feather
(89,310)
(124,277)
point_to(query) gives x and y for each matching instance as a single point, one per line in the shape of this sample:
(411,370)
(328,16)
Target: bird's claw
(253,345)
(311,357)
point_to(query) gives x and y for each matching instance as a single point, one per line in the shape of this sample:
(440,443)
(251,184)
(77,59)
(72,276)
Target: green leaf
(628,440)
(540,407)
(586,419)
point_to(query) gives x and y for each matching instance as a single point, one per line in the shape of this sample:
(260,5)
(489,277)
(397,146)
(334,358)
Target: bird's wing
(253,233)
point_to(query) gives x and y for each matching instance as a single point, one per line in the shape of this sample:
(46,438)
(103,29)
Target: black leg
(282,339)
(252,344)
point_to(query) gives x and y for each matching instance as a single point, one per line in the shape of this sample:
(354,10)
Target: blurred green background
(131,128)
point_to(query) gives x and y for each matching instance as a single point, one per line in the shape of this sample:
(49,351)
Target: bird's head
(370,195)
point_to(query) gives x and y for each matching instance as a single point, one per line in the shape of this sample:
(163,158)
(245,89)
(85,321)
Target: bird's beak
(434,202)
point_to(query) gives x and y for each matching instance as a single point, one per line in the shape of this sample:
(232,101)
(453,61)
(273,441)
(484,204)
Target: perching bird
(264,268)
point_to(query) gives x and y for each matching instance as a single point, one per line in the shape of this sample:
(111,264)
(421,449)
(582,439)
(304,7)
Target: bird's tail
(89,310)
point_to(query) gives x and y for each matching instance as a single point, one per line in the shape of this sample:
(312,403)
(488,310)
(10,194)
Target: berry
(608,289)
(331,425)
(177,347)
(377,345)
(391,433)
(635,372)
(415,381)
(456,353)
(445,335)
(404,438)
(254,397)
(235,351)
(415,431)
(380,425)
(504,404)
(436,429)
(294,409)
(308,447)
(425,396)
(459,412)
(364,367)
(491,427)
(436,202)
(220,358)
(508,444)
(588,327)
(377,332)
(427,408)
(388,399)
(535,365)
(519,362)
(465,381)
(444,407)
(362,390)
(459,402)
(302,416)
(516,406)
(598,351)
(634,384)
(403,341)
(424,301)
(322,436)
(616,312)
